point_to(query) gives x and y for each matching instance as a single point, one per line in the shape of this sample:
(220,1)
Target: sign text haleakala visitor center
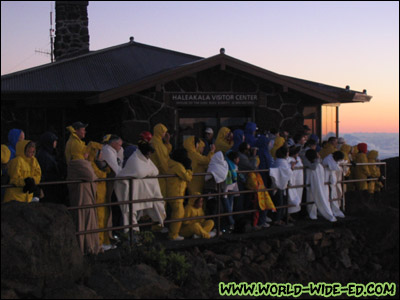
(214,98)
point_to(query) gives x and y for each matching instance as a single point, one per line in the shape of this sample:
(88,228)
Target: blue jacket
(248,133)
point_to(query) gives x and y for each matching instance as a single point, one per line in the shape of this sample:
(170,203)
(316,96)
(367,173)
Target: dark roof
(97,71)
(115,72)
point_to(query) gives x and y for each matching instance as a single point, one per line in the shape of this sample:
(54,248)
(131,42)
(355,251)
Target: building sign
(217,99)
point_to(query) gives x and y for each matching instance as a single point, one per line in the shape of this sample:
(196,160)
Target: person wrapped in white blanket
(280,172)
(295,195)
(139,165)
(317,192)
(331,165)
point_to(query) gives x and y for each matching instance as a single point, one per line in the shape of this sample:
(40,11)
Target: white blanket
(319,193)
(296,194)
(281,173)
(140,167)
(113,158)
(218,167)
(332,170)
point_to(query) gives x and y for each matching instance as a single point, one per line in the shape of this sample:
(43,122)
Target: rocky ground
(362,248)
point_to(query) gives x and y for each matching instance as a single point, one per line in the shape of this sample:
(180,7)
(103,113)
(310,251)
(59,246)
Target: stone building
(131,87)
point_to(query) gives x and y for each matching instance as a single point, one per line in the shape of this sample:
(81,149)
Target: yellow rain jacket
(200,227)
(20,168)
(374,186)
(361,172)
(255,182)
(103,213)
(75,147)
(221,144)
(328,149)
(160,157)
(352,186)
(279,142)
(199,165)
(177,187)
(346,149)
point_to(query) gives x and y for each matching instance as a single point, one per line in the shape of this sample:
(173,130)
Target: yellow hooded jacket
(199,164)
(279,142)
(177,185)
(374,186)
(75,147)
(221,144)
(19,168)
(346,149)
(361,172)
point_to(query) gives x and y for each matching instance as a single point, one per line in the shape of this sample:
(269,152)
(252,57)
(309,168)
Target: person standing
(224,140)
(75,147)
(162,149)
(208,140)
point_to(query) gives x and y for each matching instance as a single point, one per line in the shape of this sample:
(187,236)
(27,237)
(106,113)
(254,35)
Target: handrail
(218,194)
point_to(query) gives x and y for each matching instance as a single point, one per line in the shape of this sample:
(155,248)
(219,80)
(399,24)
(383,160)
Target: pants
(279,200)
(228,207)
(200,229)
(177,212)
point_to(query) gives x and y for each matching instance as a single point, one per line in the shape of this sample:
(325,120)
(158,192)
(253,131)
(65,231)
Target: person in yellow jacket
(224,140)
(279,142)
(346,149)
(199,228)
(329,147)
(162,149)
(101,170)
(179,165)
(25,173)
(374,186)
(195,147)
(352,157)
(362,172)
(76,147)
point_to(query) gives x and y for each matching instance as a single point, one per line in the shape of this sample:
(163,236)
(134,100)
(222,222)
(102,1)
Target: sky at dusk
(335,43)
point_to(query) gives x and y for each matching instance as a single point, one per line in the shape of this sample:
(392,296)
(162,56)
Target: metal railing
(218,194)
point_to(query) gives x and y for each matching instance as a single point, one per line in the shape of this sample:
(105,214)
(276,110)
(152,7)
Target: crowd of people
(282,160)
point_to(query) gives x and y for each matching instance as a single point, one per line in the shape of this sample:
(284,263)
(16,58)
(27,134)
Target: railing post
(130,212)
(343,193)
(219,210)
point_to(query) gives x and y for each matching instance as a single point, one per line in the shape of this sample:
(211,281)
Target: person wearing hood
(51,169)
(199,228)
(76,147)
(375,171)
(24,172)
(162,149)
(317,190)
(14,136)
(194,147)
(249,133)
(179,165)
(316,139)
(140,166)
(362,172)
(224,140)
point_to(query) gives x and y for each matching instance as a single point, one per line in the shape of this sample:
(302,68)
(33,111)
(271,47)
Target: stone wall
(72,33)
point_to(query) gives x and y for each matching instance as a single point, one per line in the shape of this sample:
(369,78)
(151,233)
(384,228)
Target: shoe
(212,234)
(178,238)
(232,227)
(164,230)
(268,220)
(265,225)
(195,236)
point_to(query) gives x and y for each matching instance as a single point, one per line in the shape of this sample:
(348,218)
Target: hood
(354,149)
(250,128)
(5,154)
(193,200)
(20,148)
(13,136)
(189,145)
(71,129)
(362,147)
(314,137)
(47,140)
(373,155)
(279,142)
(222,133)
(159,130)
(346,149)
